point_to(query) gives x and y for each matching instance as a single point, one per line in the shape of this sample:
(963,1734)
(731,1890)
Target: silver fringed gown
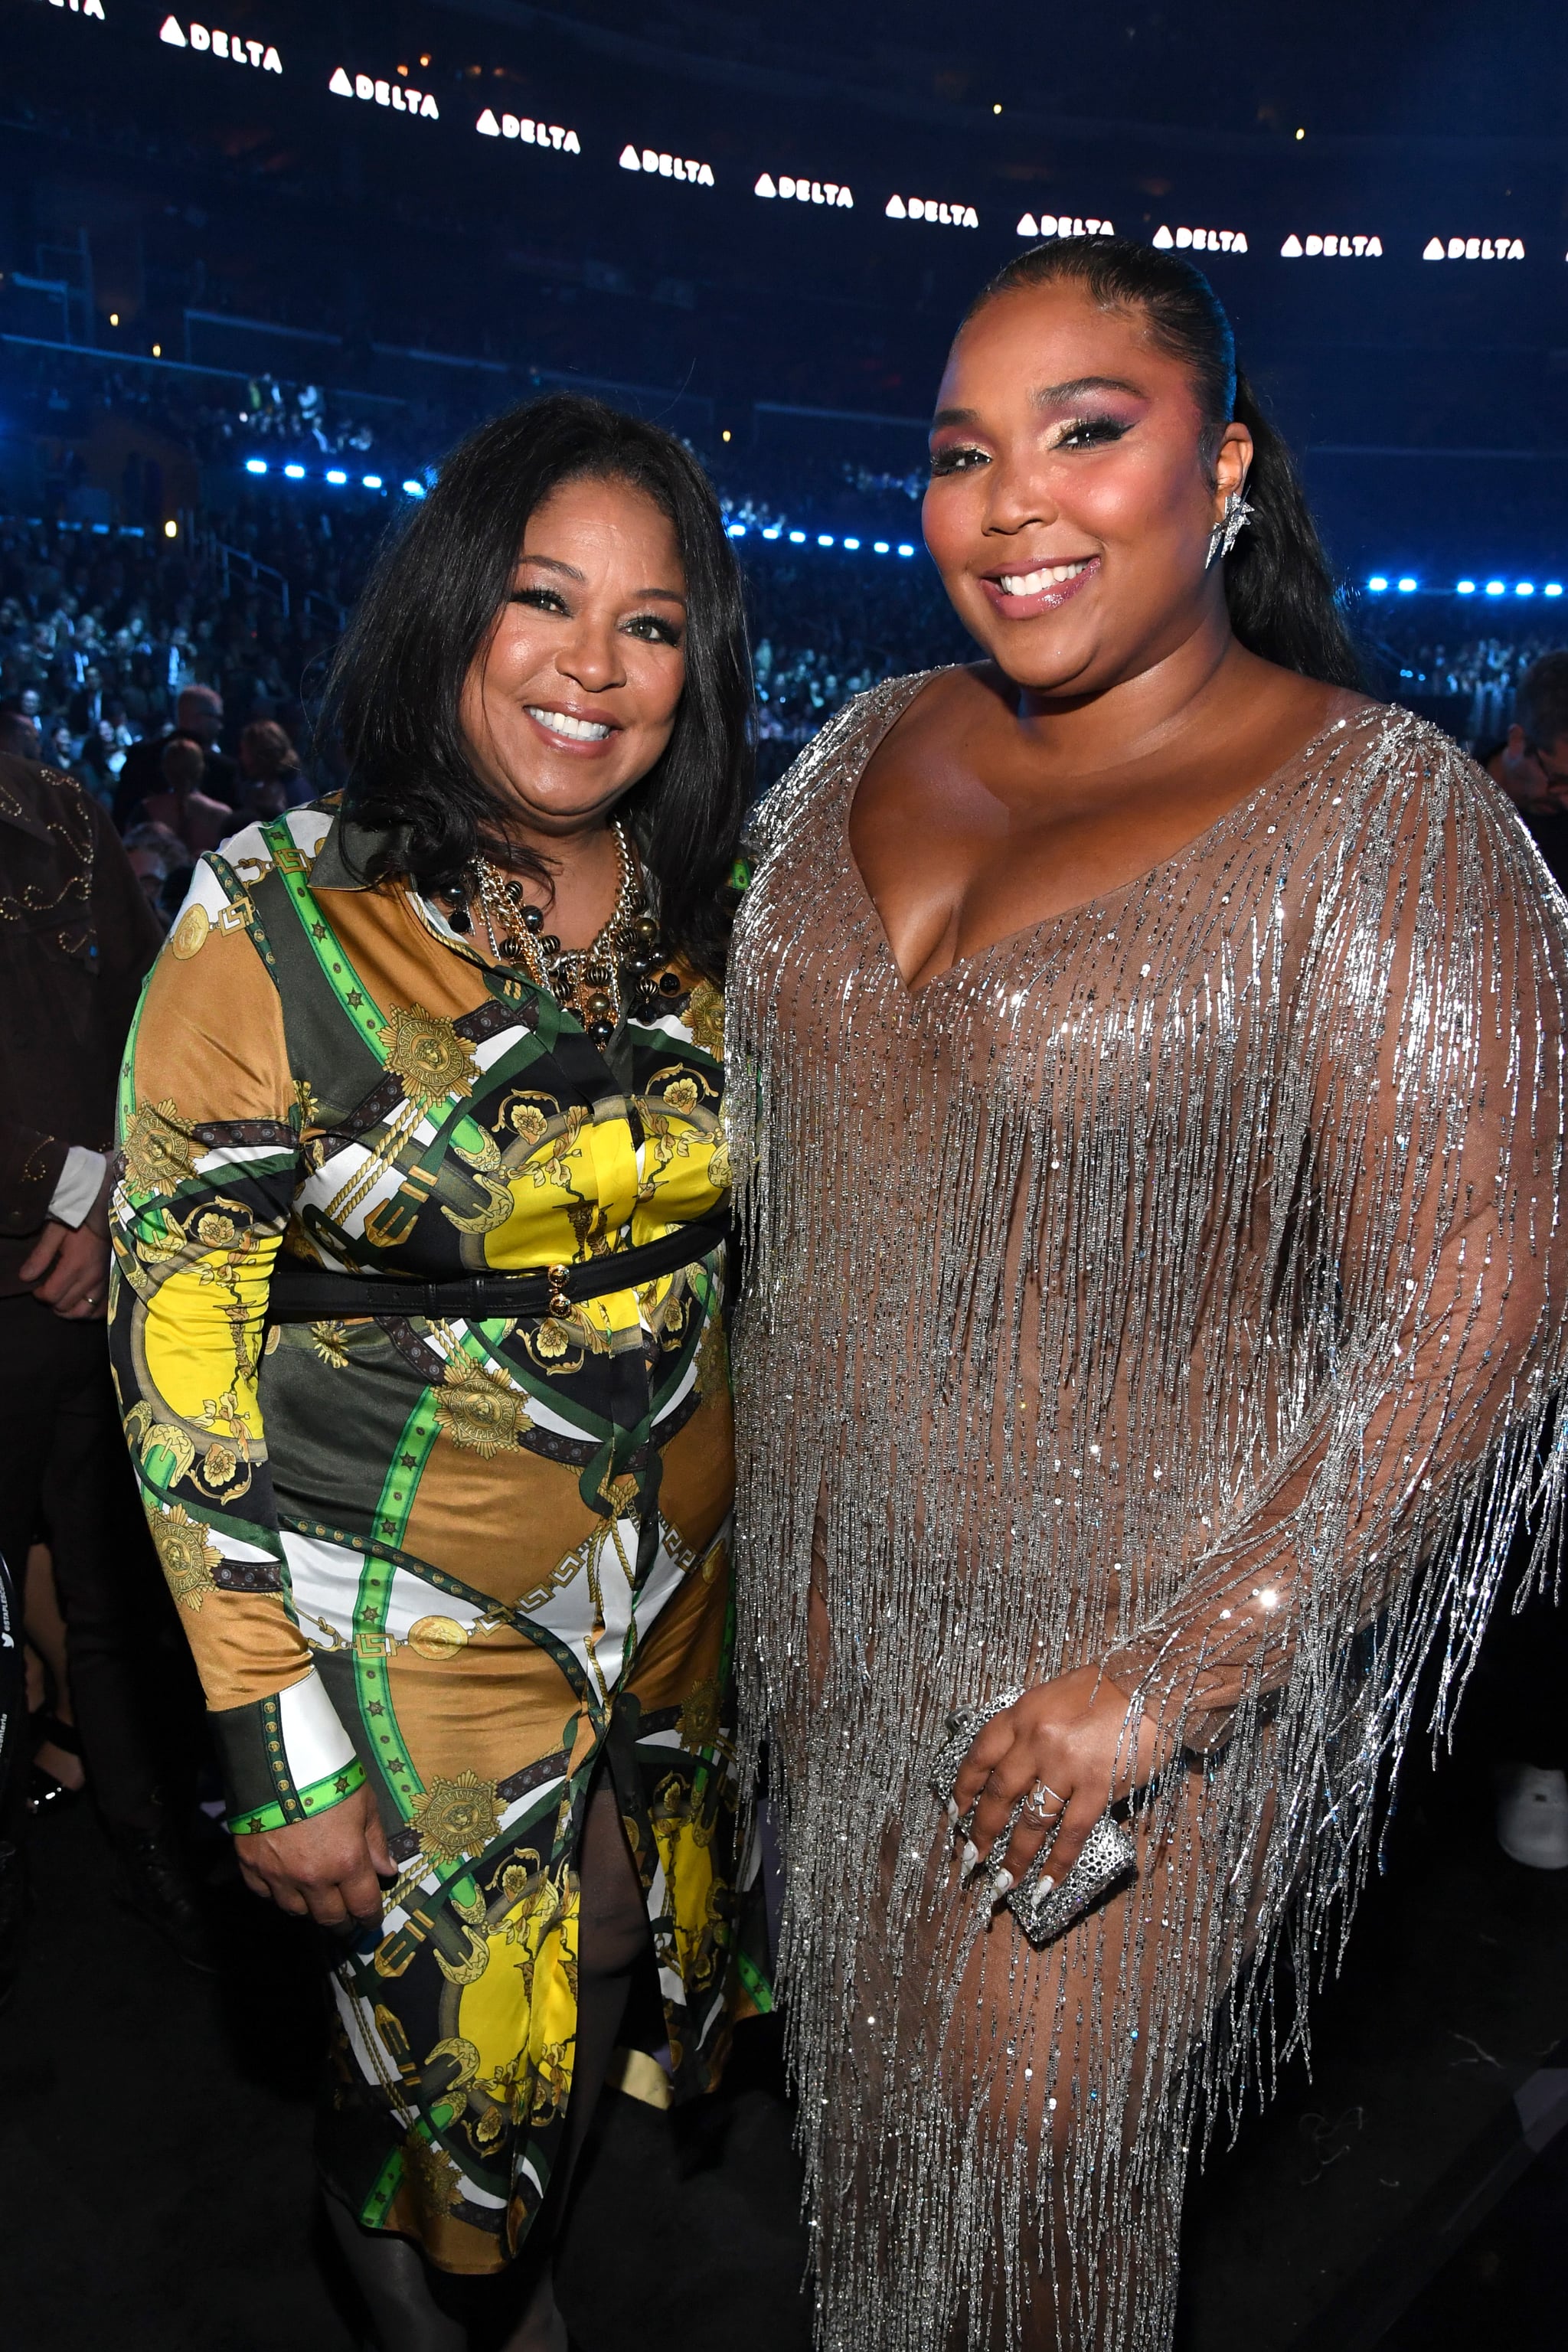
(1177,1286)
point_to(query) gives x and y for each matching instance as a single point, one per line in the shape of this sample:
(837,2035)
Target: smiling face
(1073,491)
(574,696)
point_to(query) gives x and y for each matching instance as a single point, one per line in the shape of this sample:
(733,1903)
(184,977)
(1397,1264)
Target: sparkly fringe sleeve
(1430,1026)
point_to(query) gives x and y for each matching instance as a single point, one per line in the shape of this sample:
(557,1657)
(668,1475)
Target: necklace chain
(594,982)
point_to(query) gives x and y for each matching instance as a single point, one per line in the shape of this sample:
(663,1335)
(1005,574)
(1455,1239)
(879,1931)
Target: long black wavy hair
(395,691)
(1277,583)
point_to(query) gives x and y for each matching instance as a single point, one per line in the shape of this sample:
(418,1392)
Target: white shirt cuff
(81,1180)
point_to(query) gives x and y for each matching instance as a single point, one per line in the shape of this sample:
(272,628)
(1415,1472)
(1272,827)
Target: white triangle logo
(169,31)
(489,125)
(1163,241)
(630,159)
(895,208)
(764,187)
(1433,250)
(342,84)
(1291,248)
(1028,226)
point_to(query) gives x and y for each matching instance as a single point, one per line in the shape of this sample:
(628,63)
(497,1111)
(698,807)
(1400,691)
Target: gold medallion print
(456,1817)
(160,1150)
(187,1555)
(705,1019)
(436,1638)
(189,935)
(480,1411)
(427,1052)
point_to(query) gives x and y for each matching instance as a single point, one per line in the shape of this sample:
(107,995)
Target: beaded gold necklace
(600,982)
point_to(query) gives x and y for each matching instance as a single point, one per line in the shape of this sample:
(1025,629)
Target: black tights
(414,2308)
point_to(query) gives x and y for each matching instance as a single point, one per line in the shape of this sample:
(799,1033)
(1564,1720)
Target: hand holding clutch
(1025,1780)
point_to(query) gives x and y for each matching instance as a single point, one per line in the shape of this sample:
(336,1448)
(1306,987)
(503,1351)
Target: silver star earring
(1228,529)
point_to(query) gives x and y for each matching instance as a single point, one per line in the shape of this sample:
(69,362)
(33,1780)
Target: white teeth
(1052,575)
(576,730)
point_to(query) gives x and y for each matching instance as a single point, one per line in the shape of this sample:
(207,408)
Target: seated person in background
(181,805)
(271,778)
(19,735)
(198,716)
(1530,764)
(162,864)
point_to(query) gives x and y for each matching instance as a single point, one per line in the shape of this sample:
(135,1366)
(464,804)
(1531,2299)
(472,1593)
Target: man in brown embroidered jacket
(76,938)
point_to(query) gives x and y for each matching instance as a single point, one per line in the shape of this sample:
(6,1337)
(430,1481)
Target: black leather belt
(308,1293)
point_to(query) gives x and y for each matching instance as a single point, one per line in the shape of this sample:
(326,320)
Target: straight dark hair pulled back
(1277,583)
(393,696)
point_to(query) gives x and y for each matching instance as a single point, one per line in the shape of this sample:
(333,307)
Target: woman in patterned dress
(454,1562)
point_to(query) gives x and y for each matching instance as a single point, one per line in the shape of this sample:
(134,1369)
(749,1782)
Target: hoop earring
(1228,529)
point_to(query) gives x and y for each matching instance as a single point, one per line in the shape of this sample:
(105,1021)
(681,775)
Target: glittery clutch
(1044,1912)
(1108,1855)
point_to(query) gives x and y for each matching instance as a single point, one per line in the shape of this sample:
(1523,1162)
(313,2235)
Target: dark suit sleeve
(127,934)
(30,1166)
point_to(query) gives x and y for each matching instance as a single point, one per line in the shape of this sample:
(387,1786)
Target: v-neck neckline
(1119,892)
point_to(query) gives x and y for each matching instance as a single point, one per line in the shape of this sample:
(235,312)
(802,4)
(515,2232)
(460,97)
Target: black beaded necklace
(600,984)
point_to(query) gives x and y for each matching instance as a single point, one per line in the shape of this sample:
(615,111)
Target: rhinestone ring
(1042,1801)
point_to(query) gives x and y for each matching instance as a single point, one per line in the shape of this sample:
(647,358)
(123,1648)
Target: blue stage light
(853,545)
(414,489)
(255,465)
(906,548)
(880,547)
(1466,588)
(1552,588)
(372,481)
(1377,584)
(797,539)
(825,539)
(1407,586)
(773,530)
(295,473)
(1495,588)
(335,475)
(736,529)
(1525,588)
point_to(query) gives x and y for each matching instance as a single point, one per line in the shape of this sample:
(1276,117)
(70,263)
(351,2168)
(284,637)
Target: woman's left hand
(1068,1748)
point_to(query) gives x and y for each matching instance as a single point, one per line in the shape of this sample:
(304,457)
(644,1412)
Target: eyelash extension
(1091,432)
(951,460)
(667,632)
(542,599)
(1080,433)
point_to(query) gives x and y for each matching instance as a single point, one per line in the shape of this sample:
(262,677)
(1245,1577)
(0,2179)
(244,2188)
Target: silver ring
(1034,1803)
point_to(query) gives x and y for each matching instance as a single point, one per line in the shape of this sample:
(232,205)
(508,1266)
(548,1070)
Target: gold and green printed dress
(467,1561)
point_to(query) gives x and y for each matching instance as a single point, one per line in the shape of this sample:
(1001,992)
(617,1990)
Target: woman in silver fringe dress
(1156,1290)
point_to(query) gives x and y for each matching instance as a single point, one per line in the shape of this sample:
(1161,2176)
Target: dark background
(1430,400)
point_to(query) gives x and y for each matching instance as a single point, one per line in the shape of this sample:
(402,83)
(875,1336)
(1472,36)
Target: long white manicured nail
(953,1810)
(1047,1884)
(1002,1883)
(969,1855)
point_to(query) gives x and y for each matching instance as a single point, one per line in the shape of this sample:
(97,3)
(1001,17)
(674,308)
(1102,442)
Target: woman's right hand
(328,1867)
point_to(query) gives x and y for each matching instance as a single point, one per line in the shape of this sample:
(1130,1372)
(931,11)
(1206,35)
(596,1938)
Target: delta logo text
(1333,248)
(669,167)
(532,133)
(804,191)
(927,208)
(1201,240)
(1474,248)
(221,45)
(1065,225)
(397,95)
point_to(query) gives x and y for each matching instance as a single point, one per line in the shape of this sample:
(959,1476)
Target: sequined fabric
(1178,1286)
